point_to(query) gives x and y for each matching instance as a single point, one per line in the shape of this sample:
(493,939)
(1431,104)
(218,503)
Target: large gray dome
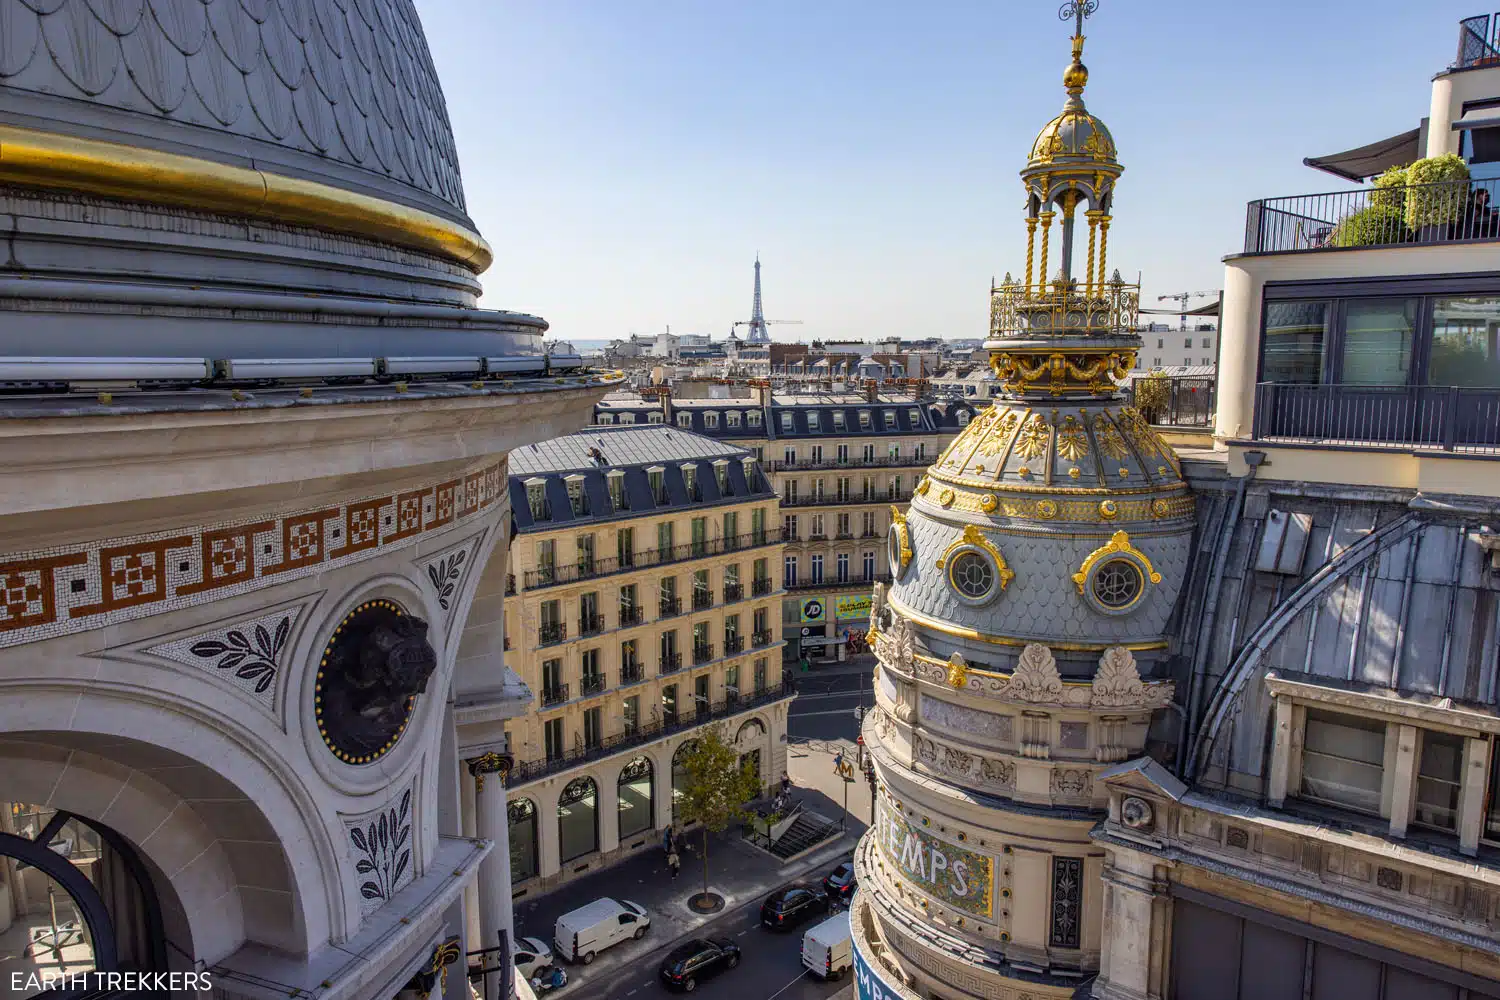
(342,92)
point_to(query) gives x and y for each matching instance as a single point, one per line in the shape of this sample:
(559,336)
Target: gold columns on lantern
(1030,249)
(1092,215)
(1103,246)
(1047,218)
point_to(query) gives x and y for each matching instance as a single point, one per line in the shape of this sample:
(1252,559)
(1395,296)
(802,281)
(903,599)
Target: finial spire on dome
(1076,76)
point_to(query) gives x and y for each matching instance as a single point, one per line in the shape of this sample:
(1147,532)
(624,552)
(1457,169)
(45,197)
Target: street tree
(717,787)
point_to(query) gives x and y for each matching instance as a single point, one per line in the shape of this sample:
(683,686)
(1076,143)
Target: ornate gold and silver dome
(1023,638)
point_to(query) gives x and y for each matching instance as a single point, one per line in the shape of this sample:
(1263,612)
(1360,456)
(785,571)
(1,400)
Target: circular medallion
(988,503)
(374,666)
(1160,507)
(1046,509)
(946,498)
(1108,510)
(1136,813)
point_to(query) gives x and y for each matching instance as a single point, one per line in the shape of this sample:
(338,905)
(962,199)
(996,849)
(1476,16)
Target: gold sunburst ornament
(1118,545)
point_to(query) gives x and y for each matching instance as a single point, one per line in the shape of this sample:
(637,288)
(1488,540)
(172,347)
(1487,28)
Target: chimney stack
(872,390)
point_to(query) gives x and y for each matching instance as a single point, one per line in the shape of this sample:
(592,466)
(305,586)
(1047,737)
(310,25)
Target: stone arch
(578,819)
(635,799)
(233,867)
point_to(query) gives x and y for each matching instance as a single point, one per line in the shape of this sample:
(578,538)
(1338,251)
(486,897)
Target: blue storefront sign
(869,983)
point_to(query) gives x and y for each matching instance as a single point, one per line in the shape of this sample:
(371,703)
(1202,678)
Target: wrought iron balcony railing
(829,500)
(761,638)
(555,695)
(1174,400)
(551,633)
(828,583)
(590,624)
(1438,418)
(630,614)
(733,592)
(1416,214)
(592,684)
(1478,42)
(733,644)
(532,770)
(1051,309)
(550,576)
(669,663)
(702,600)
(669,607)
(702,653)
(809,464)
(633,671)
(760,588)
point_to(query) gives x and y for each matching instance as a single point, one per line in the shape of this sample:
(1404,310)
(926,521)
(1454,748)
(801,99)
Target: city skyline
(870,155)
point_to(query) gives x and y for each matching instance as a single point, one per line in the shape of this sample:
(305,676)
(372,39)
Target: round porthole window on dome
(972,575)
(1117,585)
(897,549)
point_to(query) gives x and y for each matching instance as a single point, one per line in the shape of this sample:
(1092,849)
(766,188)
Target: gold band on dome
(48,160)
(918,618)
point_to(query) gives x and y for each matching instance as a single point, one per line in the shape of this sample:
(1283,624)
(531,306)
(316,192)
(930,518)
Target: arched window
(523,840)
(578,819)
(748,739)
(636,800)
(64,857)
(679,773)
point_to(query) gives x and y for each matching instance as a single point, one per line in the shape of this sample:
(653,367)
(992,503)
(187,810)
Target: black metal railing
(760,588)
(1442,418)
(829,500)
(669,663)
(869,534)
(761,637)
(733,592)
(551,633)
(702,652)
(733,644)
(590,624)
(702,600)
(878,462)
(549,576)
(633,671)
(818,536)
(1418,214)
(1173,400)
(531,770)
(808,583)
(1478,42)
(630,614)
(669,607)
(592,684)
(554,695)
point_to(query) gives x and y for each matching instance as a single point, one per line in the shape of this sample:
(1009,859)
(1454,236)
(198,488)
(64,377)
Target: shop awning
(1478,118)
(1367,161)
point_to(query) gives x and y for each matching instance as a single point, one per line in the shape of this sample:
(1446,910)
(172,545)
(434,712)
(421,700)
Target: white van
(588,930)
(826,948)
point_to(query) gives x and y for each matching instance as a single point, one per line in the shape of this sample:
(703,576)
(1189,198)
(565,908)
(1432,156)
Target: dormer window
(890,420)
(749,466)
(617,491)
(812,421)
(654,417)
(536,499)
(657,478)
(685,420)
(690,480)
(721,474)
(753,418)
(627,418)
(963,418)
(786,423)
(838,420)
(864,420)
(711,420)
(577,499)
(915,416)
(732,418)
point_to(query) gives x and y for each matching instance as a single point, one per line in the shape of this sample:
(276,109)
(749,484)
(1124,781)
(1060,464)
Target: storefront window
(1465,341)
(1295,334)
(1378,337)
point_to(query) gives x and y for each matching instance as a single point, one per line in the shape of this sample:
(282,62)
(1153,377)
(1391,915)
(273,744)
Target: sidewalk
(737,871)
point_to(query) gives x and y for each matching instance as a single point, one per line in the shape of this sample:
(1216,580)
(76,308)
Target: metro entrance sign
(869,984)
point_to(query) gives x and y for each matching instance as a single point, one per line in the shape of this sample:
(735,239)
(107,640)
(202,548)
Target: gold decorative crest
(972,536)
(1118,545)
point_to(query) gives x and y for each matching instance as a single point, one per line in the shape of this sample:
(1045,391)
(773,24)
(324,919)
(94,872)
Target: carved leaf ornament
(249,660)
(385,849)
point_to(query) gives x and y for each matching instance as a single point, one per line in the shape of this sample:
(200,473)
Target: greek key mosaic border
(61,590)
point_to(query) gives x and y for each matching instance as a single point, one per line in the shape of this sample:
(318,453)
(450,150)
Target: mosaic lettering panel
(959,877)
(57,591)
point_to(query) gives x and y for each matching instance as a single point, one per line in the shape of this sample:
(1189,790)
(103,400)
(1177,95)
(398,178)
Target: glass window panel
(1377,341)
(1492,814)
(1465,341)
(1343,760)
(1293,343)
(1438,774)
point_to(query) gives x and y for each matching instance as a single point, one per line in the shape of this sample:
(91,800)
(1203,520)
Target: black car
(839,883)
(791,906)
(698,959)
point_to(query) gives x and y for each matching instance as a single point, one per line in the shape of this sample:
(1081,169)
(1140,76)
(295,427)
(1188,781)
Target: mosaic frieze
(960,877)
(58,591)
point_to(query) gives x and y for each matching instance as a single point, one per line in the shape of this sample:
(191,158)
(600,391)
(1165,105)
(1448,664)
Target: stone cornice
(1441,713)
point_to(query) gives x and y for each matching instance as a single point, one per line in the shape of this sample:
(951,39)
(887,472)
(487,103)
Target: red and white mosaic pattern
(57,591)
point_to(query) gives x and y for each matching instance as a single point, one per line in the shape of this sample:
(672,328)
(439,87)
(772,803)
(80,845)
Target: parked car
(699,959)
(839,883)
(827,949)
(792,905)
(531,955)
(582,933)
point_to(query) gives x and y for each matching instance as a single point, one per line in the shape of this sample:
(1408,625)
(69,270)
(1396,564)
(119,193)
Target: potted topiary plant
(1436,192)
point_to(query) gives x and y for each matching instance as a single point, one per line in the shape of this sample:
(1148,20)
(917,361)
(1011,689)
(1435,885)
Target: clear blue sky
(628,159)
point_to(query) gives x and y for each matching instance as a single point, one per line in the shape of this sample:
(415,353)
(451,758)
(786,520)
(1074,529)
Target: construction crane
(1184,298)
(764,322)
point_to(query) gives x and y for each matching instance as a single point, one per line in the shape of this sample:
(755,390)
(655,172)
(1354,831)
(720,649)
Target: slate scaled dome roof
(341,92)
